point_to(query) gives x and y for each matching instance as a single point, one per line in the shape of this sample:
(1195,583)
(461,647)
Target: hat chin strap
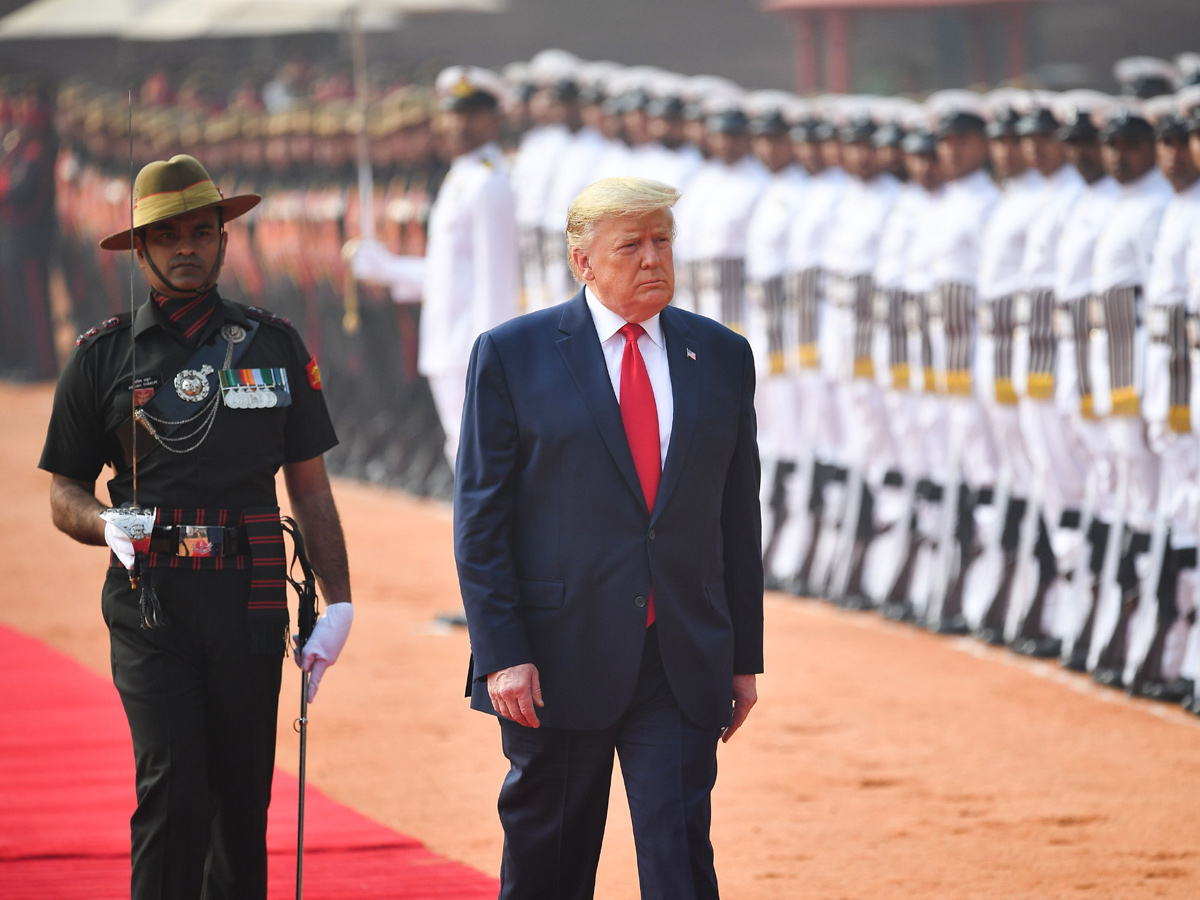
(210,280)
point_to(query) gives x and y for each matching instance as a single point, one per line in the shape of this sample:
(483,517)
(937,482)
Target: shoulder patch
(314,374)
(263,316)
(109,325)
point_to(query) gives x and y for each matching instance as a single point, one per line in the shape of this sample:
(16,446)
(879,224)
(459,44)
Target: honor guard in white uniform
(966,459)
(576,170)
(468,277)
(1116,353)
(706,95)
(912,379)
(1188,588)
(669,158)
(554,109)
(994,590)
(1059,468)
(1159,627)
(850,256)
(718,217)
(893,476)
(767,323)
(815,144)
(1081,544)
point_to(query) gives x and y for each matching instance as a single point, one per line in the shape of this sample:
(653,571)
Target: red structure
(825,63)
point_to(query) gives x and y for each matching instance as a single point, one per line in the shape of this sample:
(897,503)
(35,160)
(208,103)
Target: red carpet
(66,794)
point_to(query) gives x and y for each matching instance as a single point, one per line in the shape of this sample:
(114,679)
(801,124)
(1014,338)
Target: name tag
(255,388)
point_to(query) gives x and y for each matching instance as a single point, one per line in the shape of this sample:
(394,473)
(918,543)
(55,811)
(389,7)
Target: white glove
(404,276)
(369,260)
(121,545)
(325,644)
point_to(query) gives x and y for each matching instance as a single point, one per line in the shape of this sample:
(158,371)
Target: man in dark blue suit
(607,535)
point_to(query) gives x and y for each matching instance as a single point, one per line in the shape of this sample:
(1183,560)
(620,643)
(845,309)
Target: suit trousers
(554,801)
(202,714)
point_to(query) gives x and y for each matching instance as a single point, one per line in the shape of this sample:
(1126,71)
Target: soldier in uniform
(468,277)
(993,595)
(1058,476)
(1116,351)
(766,318)
(850,256)
(962,457)
(897,358)
(196,657)
(1159,626)
(27,232)
(815,144)
(1083,542)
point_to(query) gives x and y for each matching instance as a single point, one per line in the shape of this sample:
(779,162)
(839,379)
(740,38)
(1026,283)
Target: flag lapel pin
(691,354)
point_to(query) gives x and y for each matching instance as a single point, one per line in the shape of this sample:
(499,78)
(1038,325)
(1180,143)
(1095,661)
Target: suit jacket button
(639,601)
(651,535)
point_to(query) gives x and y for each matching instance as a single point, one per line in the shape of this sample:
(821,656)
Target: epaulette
(108,326)
(263,316)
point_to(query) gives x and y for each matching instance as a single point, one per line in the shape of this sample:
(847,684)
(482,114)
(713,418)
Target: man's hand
(745,695)
(515,693)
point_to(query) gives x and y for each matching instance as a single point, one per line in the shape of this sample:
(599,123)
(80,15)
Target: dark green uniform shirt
(235,467)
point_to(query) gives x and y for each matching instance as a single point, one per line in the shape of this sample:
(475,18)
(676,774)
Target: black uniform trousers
(202,713)
(554,801)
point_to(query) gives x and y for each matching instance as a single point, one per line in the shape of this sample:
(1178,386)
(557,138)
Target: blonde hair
(614,197)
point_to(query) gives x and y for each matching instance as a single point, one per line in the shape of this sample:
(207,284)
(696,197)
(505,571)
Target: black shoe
(1109,676)
(1076,662)
(1040,648)
(454,618)
(1167,691)
(855,602)
(955,625)
(993,636)
(898,611)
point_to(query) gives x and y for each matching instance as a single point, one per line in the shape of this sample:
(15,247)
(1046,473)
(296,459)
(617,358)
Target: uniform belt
(199,540)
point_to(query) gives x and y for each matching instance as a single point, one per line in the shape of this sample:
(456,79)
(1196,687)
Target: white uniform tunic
(806,237)
(674,167)
(575,171)
(470,278)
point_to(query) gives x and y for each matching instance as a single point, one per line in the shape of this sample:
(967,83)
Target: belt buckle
(200,540)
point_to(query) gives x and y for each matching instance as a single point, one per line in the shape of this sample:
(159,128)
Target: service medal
(191,385)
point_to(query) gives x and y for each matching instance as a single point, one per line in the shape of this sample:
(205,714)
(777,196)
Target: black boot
(991,627)
(1098,538)
(1110,667)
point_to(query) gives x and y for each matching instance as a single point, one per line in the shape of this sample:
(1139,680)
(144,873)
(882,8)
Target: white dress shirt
(1126,244)
(1077,244)
(852,246)
(1058,197)
(767,230)
(654,352)
(962,210)
(806,236)
(470,265)
(1004,238)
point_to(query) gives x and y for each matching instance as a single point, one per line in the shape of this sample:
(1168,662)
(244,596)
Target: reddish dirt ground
(881,762)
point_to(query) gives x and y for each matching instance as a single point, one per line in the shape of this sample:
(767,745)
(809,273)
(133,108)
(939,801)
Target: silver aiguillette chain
(208,414)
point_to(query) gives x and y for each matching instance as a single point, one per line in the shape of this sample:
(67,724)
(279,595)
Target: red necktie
(640,417)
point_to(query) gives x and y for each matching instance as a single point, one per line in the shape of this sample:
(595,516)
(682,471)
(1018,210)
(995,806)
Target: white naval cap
(1188,65)
(1145,76)
(1188,99)
(461,88)
(551,65)
(702,88)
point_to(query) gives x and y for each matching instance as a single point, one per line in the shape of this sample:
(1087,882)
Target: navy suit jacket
(555,547)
